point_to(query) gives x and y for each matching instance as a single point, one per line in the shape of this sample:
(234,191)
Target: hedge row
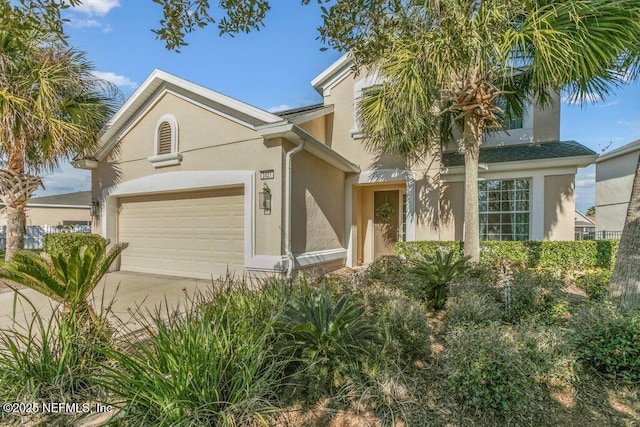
(580,255)
(58,243)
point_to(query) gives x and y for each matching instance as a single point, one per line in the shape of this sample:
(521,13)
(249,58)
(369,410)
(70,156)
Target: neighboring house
(615,171)
(62,209)
(585,226)
(201,182)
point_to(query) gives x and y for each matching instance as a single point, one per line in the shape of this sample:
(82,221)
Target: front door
(386,221)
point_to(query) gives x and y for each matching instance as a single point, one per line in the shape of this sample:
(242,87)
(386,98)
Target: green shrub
(595,283)
(386,269)
(405,320)
(535,293)
(206,363)
(62,243)
(556,255)
(435,273)
(505,370)
(329,339)
(473,308)
(607,340)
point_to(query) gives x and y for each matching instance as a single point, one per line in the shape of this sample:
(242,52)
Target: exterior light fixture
(95,208)
(265,199)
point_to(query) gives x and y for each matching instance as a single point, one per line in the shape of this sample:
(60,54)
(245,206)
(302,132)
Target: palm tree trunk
(472,139)
(15,190)
(16,227)
(624,289)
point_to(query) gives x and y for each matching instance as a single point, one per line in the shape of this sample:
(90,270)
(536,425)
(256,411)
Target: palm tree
(624,289)
(68,278)
(51,109)
(447,66)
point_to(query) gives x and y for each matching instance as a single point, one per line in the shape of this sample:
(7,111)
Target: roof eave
(321,80)
(556,162)
(293,133)
(621,151)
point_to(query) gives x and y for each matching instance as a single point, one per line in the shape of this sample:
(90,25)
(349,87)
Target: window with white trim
(165,144)
(360,89)
(504,209)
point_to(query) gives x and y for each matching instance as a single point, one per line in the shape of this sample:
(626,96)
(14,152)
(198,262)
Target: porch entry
(387,225)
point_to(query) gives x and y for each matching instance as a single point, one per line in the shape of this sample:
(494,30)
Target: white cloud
(84,23)
(116,79)
(277,108)
(96,7)
(67,179)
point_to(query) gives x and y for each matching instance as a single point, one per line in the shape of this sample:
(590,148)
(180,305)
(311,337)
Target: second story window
(362,88)
(165,144)
(510,120)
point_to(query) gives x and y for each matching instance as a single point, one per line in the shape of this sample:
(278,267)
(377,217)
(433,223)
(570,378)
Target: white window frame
(358,89)
(174,157)
(501,212)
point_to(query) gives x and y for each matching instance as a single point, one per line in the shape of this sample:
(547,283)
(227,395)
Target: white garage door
(194,234)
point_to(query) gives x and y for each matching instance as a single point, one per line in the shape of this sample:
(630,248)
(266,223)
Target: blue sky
(272,69)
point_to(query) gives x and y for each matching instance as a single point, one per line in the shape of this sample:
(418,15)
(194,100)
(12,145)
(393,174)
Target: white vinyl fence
(34,237)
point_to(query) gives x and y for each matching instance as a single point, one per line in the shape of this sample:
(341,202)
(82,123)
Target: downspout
(287,215)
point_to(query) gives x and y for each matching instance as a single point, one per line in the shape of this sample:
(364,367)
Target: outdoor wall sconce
(95,208)
(265,199)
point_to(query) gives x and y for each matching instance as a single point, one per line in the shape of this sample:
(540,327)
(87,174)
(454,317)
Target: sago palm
(51,109)
(68,278)
(436,272)
(451,64)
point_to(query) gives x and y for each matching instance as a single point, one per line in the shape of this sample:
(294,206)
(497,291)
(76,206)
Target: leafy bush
(435,273)
(386,269)
(405,320)
(555,255)
(68,278)
(62,243)
(473,308)
(207,363)
(535,293)
(607,340)
(328,338)
(595,283)
(505,370)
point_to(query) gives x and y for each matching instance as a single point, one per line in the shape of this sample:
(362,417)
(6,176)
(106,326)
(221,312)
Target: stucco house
(615,171)
(59,210)
(198,182)
(585,227)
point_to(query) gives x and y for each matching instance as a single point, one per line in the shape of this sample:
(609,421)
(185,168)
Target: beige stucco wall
(207,141)
(317,197)
(318,128)
(559,207)
(52,215)
(614,179)
(452,211)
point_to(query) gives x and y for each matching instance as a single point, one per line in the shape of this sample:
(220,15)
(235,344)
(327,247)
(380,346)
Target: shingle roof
(514,153)
(289,114)
(80,198)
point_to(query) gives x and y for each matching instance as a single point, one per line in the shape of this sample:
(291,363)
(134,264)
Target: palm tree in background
(459,68)
(51,109)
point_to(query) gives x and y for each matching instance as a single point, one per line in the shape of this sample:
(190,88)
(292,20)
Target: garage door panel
(184,234)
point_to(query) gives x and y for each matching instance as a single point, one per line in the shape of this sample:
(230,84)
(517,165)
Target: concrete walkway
(126,292)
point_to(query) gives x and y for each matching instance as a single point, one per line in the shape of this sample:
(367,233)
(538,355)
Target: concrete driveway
(126,292)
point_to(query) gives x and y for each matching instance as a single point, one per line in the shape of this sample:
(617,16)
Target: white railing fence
(34,236)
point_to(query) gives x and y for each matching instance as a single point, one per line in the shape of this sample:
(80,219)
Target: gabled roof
(620,151)
(77,199)
(583,220)
(334,73)
(528,152)
(304,114)
(160,82)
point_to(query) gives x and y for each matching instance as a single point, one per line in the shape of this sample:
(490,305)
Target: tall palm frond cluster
(51,109)
(450,70)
